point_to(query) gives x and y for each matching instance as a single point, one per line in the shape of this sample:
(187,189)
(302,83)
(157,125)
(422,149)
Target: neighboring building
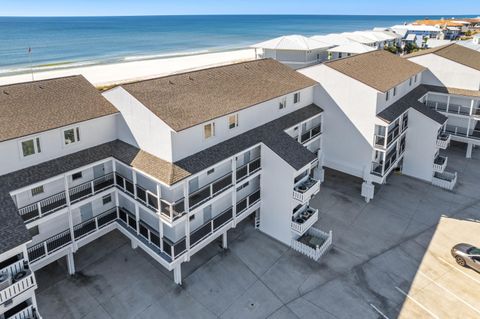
(295,51)
(375,39)
(473,43)
(454,75)
(421,31)
(348,49)
(173,163)
(375,122)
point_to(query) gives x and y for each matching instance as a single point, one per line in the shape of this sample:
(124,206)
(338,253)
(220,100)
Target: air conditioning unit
(5,280)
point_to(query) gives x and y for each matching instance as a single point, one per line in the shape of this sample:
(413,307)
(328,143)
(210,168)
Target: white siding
(92,133)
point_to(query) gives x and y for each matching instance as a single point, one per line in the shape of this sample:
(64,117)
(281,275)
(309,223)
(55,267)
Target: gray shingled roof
(380,70)
(188,99)
(410,100)
(33,107)
(453,52)
(13,231)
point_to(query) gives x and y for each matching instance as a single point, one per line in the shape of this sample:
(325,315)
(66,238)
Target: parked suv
(467,256)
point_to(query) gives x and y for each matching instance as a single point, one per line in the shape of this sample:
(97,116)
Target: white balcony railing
(443,140)
(26,313)
(305,190)
(302,221)
(446,180)
(14,268)
(314,244)
(17,287)
(440,163)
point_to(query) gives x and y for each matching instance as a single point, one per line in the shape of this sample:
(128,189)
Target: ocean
(63,41)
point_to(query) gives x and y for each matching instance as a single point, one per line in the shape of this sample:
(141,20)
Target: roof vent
(190,78)
(170,82)
(6,93)
(246,67)
(41,87)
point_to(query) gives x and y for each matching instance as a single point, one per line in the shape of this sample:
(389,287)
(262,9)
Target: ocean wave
(164,55)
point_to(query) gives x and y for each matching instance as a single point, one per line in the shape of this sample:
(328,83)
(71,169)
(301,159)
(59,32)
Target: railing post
(93,190)
(39,207)
(96,223)
(471,107)
(45,247)
(134,180)
(448,103)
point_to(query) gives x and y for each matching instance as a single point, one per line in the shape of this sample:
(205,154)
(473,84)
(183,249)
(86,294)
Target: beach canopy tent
(352,48)
(294,50)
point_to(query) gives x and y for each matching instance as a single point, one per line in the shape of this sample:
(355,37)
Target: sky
(163,7)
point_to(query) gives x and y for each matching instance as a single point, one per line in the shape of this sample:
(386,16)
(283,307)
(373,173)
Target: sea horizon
(68,41)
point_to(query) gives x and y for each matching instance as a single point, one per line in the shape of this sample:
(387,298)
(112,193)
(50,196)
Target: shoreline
(131,68)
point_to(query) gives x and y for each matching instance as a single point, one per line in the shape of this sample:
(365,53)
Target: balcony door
(86,212)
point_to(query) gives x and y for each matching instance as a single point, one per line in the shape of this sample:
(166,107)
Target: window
(340,55)
(282,104)
(71,136)
(394,91)
(243,186)
(106,199)
(233,121)
(37,190)
(387,95)
(209,130)
(76,176)
(410,82)
(416,76)
(210,171)
(31,146)
(192,217)
(296,98)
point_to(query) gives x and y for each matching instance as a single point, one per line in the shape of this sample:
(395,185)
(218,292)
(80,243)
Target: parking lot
(391,259)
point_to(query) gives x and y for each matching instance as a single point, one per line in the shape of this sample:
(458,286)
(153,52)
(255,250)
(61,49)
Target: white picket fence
(319,251)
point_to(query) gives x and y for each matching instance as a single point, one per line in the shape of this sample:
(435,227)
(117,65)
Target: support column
(234,191)
(177,274)
(469,150)
(70,217)
(368,190)
(224,240)
(134,244)
(70,263)
(448,102)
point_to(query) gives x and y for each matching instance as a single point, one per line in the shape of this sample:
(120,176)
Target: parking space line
(378,310)
(417,303)
(450,292)
(453,266)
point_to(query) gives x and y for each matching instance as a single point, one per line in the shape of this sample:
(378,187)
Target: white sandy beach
(109,74)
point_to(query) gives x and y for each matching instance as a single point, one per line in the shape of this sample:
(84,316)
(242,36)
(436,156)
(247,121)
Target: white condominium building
(375,121)
(172,163)
(453,78)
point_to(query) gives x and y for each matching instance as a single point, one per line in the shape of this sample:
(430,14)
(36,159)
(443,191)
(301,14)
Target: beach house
(453,76)
(172,163)
(296,51)
(375,122)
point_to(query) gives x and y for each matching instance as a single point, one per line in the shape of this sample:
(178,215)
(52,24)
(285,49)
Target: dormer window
(209,130)
(416,76)
(410,82)
(71,136)
(394,91)
(31,147)
(233,121)
(387,95)
(282,103)
(296,98)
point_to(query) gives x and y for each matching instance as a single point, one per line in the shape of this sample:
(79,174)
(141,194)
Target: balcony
(248,169)
(306,189)
(144,196)
(451,108)
(440,163)
(464,132)
(64,238)
(172,211)
(443,140)
(13,285)
(314,244)
(209,191)
(311,134)
(58,201)
(22,311)
(247,202)
(393,134)
(446,180)
(303,220)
